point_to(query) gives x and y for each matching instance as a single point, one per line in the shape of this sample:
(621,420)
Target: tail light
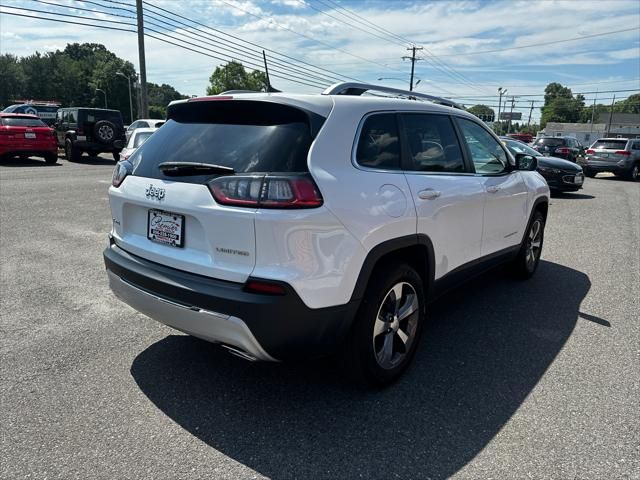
(562,150)
(120,172)
(80,131)
(266,191)
(590,151)
(626,153)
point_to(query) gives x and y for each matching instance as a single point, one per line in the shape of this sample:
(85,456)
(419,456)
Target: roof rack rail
(354,88)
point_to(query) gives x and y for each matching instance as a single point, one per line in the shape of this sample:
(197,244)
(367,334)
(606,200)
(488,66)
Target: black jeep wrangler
(91,130)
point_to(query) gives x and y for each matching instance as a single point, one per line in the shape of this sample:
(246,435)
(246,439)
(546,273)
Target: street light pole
(105,96)
(130,100)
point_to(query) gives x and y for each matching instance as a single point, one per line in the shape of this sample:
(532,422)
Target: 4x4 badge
(154,192)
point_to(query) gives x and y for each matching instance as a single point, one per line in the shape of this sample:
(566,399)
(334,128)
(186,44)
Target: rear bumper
(265,327)
(620,167)
(37,150)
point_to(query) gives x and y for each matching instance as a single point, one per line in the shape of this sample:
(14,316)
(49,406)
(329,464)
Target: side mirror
(119,144)
(526,162)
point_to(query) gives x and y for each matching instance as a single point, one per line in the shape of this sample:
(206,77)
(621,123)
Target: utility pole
(510,115)
(611,115)
(593,111)
(530,112)
(144,101)
(499,102)
(413,63)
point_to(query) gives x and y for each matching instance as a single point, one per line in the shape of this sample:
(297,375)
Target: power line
(278,62)
(65,15)
(318,69)
(68,21)
(613,32)
(291,68)
(236,7)
(56,20)
(543,94)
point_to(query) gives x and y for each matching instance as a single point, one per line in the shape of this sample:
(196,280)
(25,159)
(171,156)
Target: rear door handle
(493,189)
(428,194)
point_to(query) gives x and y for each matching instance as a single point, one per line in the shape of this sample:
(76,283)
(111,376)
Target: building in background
(623,125)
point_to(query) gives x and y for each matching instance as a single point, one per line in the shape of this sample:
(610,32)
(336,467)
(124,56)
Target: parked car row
(76,130)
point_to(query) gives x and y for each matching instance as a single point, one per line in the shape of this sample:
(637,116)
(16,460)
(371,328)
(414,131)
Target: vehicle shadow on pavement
(487,346)
(26,162)
(91,160)
(572,196)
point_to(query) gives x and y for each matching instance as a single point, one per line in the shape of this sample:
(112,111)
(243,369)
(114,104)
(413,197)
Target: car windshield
(22,122)
(517,147)
(140,138)
(550,142)
(610,144)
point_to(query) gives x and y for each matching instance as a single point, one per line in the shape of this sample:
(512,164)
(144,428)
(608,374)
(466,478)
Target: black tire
(590,173)
(526,263)
(365,352)
(51,158)
(71,153)
(105,132)
(116,155)
(634,174)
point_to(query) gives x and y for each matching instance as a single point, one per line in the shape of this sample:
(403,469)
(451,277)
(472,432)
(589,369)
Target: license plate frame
(578,179)
(30,135)
(166,228)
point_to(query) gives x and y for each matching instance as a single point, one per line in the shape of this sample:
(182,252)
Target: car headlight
(549,170)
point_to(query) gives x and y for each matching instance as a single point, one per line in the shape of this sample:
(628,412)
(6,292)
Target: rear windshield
(140,138)
(244,135)
(550,142)
(610,144)
(92,116)
(22,122)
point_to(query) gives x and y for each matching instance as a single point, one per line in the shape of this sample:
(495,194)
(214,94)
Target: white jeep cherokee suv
(283,226)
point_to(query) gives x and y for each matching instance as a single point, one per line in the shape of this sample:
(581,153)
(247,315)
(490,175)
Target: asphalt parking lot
(537,379)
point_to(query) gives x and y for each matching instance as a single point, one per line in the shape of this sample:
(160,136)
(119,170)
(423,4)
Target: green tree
(11,79)
(560,105)
(233,76)
(483,112)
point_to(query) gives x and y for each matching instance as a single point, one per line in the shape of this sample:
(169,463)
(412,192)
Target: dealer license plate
(29,135)
(166,228)
(578,179)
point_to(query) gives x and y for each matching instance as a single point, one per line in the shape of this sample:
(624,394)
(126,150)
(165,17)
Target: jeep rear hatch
(195,185)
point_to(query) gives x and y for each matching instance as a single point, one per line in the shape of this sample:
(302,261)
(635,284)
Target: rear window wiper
(193,168)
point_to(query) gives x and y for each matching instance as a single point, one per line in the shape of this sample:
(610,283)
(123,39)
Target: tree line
(71,77)
(560,105)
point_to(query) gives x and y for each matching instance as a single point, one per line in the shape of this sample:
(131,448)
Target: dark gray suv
(620,156)
(91,130)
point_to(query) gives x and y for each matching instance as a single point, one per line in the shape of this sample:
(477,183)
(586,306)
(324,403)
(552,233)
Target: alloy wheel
(396,324)
(534,244)
(105,133)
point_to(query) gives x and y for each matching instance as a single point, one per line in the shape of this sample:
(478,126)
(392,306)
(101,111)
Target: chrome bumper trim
(211,326)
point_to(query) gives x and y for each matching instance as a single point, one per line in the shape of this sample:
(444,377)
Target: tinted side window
(433,146)
(486,153)
(66,116)
(379,143)
(72,116)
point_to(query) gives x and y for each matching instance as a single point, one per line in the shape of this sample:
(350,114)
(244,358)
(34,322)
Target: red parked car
(26,135)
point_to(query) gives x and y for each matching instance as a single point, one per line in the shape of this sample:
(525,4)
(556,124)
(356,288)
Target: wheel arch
(415,250)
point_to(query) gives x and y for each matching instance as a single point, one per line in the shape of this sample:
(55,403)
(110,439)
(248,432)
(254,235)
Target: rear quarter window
(379,142)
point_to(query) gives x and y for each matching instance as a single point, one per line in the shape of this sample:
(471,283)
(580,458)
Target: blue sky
(470,48)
